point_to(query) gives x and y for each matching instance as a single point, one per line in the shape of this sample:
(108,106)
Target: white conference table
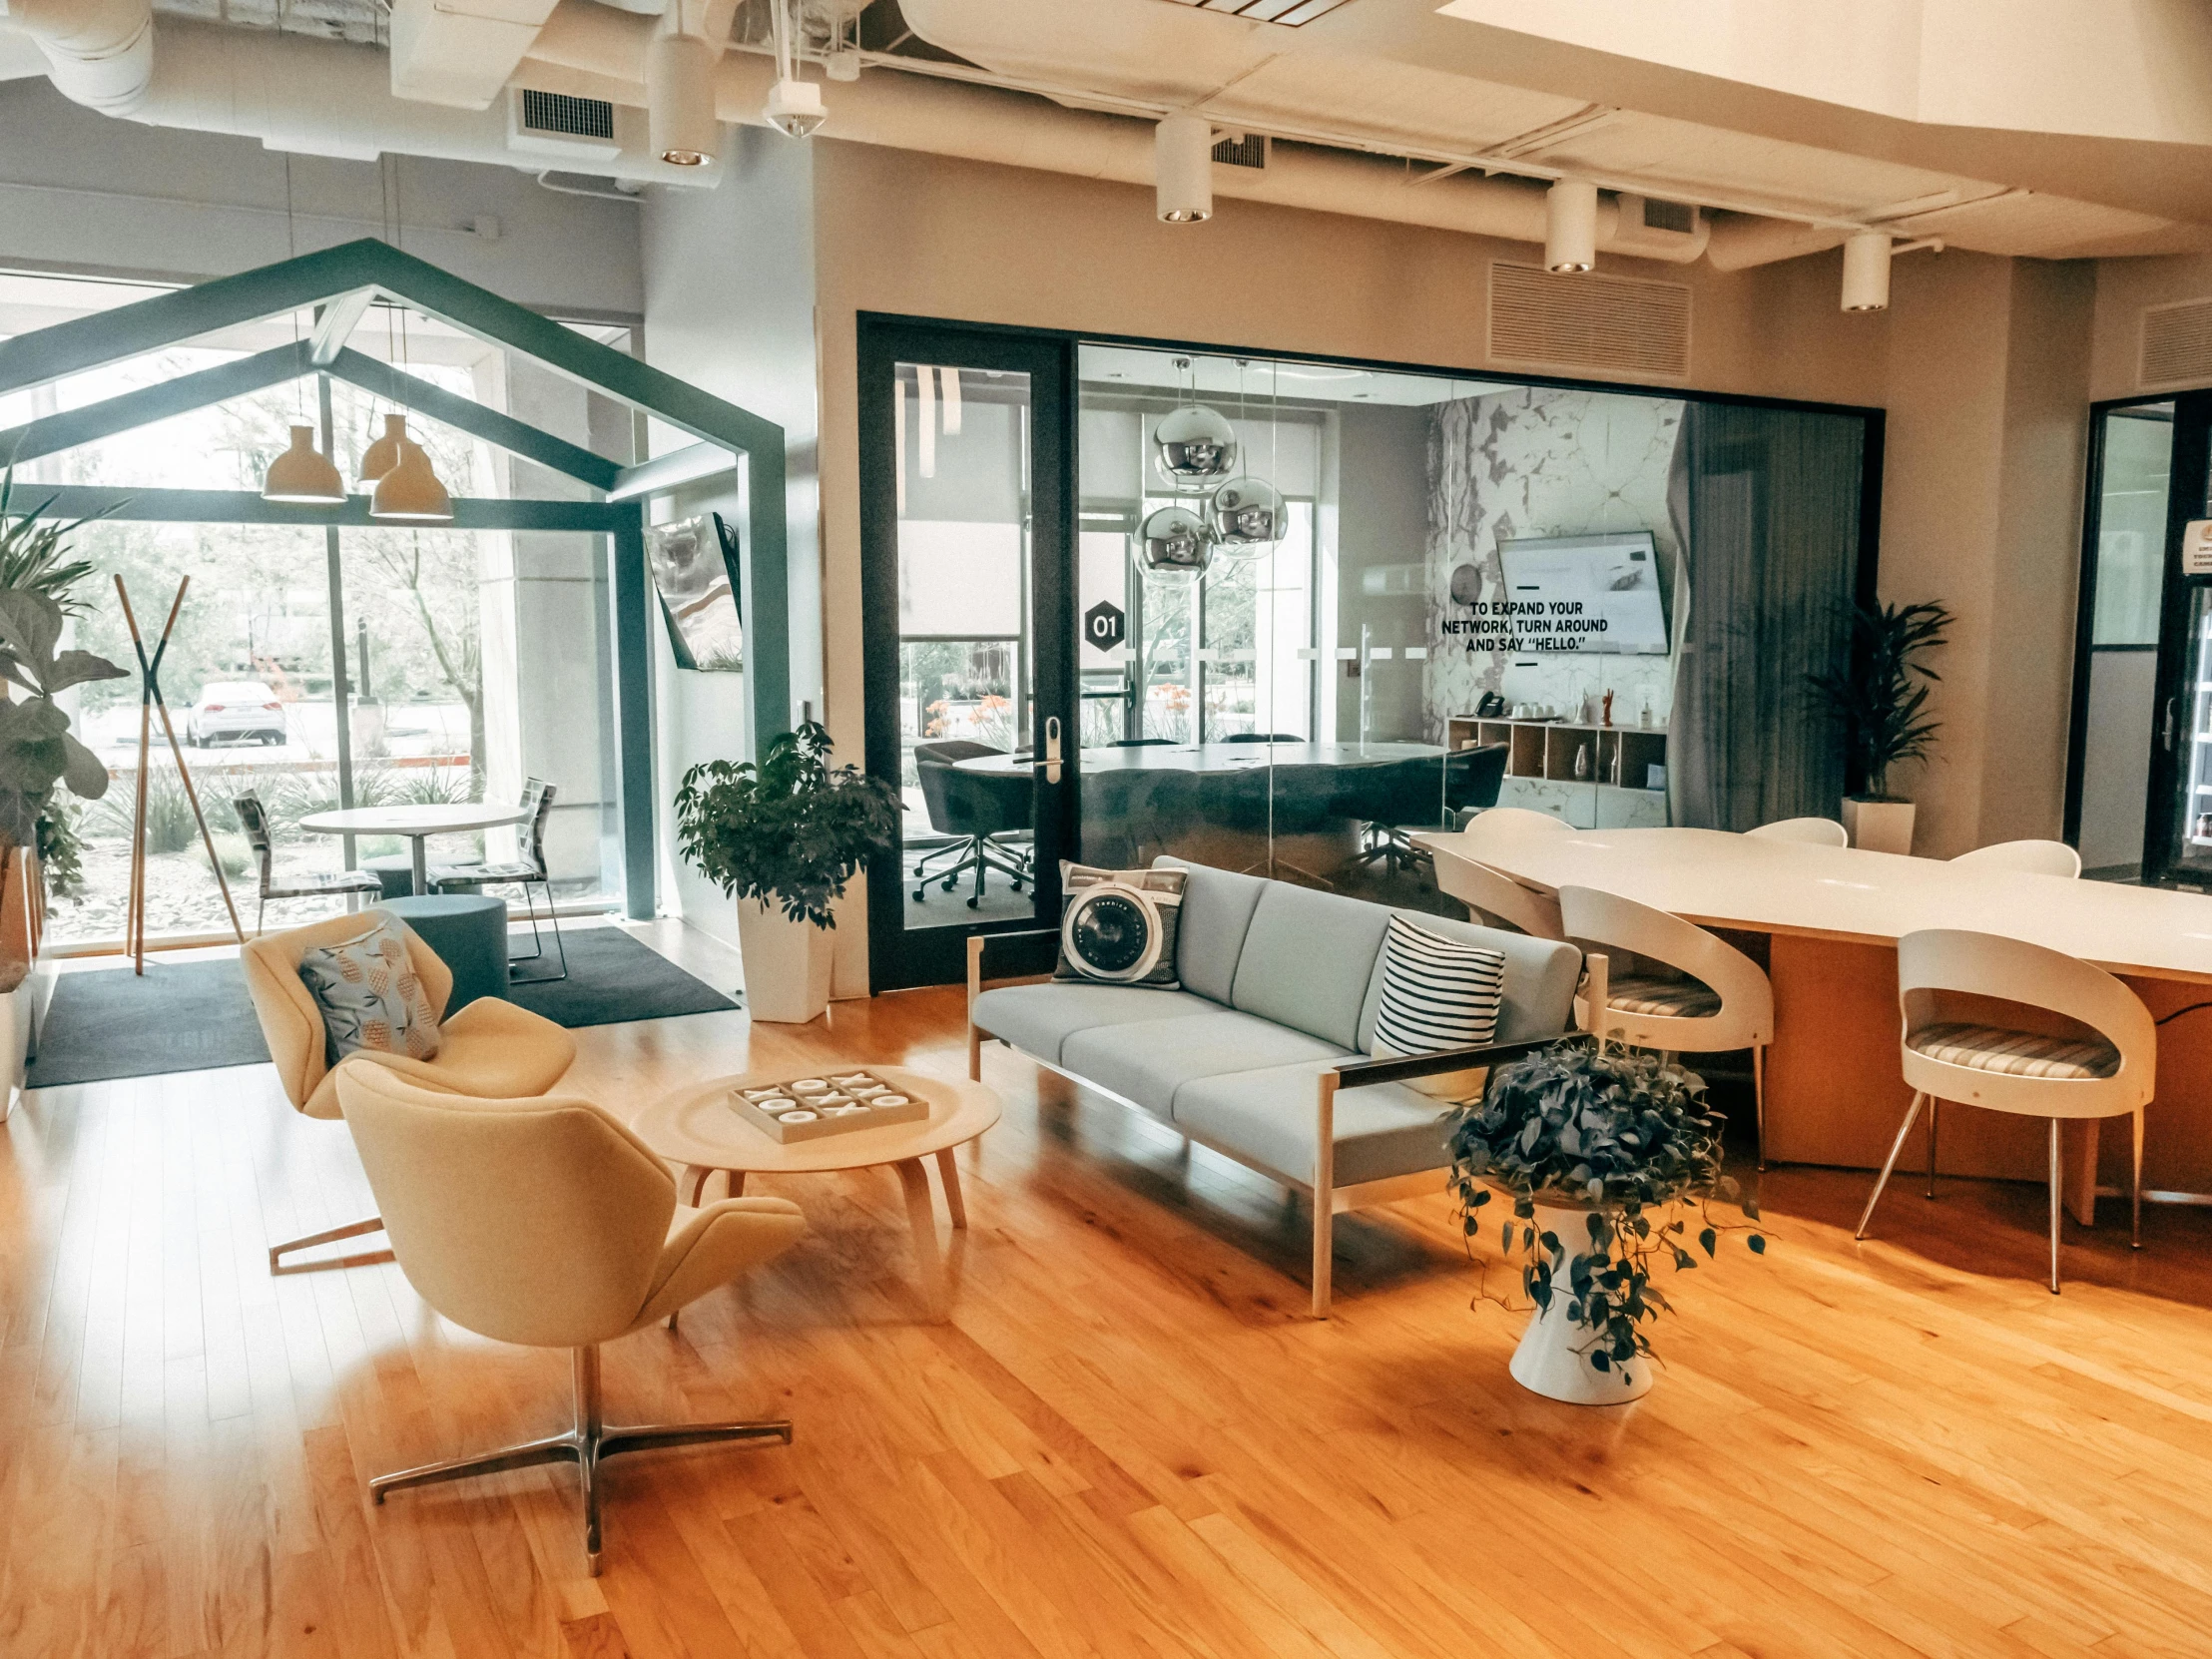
(415,823)
(1832,916)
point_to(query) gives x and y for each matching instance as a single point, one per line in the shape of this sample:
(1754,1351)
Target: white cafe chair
(1495,897)
(1707,996)
(2106,1069)
(1817,832)
(2035,858)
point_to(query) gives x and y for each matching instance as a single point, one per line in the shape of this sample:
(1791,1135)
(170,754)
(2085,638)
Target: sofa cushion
(1217,909)
(1147,1063)
(1540,977)
(1308,960)
(1038,1019)
(1270,1116)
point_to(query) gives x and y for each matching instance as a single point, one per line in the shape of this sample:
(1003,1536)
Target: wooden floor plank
(1126,1443)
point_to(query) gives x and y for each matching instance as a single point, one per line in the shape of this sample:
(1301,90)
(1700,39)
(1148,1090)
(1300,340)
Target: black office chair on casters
(1421,795)
(982,813)
(527,870)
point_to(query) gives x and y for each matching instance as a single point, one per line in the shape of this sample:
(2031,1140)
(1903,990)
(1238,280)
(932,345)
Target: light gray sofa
(1265,1053)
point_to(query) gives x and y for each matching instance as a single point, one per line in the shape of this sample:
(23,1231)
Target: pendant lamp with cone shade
(410,492)
(304,473)
(383,454)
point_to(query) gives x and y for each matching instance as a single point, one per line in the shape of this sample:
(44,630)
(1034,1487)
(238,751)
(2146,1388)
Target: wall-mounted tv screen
(1584,593)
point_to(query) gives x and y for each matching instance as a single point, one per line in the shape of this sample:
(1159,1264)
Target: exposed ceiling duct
(100,52)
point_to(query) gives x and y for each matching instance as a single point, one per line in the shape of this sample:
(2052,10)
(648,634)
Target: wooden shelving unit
(1614,792)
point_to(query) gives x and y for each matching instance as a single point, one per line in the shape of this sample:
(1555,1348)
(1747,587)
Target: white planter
(787,964)
(1553,1358)
(1880,826)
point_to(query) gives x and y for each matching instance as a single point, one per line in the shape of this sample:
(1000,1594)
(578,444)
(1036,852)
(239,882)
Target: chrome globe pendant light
(1173,542)
(1193,443)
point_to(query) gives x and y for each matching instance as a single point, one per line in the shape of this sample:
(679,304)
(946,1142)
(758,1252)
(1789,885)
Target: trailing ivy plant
(1623,1137)
(788,829)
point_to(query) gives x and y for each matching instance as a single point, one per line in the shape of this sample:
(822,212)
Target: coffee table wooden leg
(921,1217)
(948,1173)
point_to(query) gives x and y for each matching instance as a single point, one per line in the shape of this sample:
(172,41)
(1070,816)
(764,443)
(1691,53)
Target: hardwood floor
(1128,1439)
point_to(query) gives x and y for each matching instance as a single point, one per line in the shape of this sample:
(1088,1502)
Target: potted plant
(783,837)
(1881,702)
(1602,1156)
(37,752)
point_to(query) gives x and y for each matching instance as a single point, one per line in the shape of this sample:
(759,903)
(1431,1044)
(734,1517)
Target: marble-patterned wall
(1542,461)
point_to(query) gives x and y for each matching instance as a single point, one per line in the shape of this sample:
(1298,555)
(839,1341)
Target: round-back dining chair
(1709,997)
(2108,1066)
(1816,832)
(1495,897)
(2034,856)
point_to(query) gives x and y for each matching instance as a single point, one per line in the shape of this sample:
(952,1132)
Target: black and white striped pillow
(1436,992)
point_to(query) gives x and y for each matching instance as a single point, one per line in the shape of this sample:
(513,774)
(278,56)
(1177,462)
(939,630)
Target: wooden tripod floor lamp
(150,700)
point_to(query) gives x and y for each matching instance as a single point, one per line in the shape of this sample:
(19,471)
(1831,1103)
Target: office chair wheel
(1017,883)
(947,885)
(922,894)
(974,903)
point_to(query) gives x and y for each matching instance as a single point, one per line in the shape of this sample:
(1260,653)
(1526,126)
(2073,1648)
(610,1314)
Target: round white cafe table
(415,823)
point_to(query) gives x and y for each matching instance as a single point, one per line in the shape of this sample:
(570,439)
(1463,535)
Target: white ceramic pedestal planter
(1880,826)
(787,964)
(1552,1359)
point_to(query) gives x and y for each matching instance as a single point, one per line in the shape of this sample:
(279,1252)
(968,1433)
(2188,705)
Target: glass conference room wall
(1299,613)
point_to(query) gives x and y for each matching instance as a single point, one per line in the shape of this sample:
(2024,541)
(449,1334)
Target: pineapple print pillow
(370,995)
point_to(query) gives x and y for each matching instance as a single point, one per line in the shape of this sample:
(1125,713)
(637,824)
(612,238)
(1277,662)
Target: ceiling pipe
(1740,241)
(97,52)
(593,51)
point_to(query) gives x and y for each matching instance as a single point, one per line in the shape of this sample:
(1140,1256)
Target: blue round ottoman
(469,933)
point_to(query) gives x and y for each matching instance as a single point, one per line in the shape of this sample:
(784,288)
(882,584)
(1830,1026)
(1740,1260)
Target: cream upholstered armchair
(580,1240)
(489,1050)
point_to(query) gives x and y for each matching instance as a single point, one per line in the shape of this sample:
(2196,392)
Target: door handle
(1051,761)
(2170,725)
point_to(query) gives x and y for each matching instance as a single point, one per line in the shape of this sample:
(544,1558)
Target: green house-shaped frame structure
(340,284)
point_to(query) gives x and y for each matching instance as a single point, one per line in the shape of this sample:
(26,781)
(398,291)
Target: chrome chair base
(352,1230)
(586,1445)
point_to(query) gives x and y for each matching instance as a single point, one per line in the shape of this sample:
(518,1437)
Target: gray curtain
(1765,504)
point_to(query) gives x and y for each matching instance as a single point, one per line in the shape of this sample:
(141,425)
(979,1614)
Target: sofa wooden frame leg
(1324,1193)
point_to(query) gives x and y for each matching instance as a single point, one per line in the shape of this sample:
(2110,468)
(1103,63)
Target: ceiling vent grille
(2177,344)
(555,113)
(1589,322)
(1243,150)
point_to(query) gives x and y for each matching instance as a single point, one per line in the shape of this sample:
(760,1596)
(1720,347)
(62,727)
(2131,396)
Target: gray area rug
(196,1016)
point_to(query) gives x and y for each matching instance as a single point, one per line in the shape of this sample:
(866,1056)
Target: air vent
(1678,216)
(2177,344)
(577,130)
(1291,13)
(1589,322)
(556,111)
(1244,150)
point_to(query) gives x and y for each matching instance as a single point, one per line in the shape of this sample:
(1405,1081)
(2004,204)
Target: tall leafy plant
(788,829)
(37,751)
(1624,1139)
(33,552)
(1881,699)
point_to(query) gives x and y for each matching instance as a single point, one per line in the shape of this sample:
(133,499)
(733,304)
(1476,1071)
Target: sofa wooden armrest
(1030,938)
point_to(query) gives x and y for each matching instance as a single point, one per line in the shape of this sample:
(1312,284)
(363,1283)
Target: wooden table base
(921,1218)
(1835,1094)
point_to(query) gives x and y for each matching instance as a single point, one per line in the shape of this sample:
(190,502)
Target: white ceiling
(1345,78)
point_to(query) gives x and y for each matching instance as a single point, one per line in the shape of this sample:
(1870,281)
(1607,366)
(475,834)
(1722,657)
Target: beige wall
(1987,372)
(2123,289)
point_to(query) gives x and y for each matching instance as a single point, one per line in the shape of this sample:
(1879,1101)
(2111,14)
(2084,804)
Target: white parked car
(235,710)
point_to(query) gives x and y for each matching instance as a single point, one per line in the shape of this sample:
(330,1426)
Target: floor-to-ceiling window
(469,660)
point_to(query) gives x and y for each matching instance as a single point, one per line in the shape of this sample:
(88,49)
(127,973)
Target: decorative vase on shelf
(1581,762)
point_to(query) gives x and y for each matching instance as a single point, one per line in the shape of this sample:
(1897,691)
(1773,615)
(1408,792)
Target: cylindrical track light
(1570,226)
(1183,168)
(1867,271)
(680,99)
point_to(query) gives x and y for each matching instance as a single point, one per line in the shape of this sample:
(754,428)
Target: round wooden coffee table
(697,1128)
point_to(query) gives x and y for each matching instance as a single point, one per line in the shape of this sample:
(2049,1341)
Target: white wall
(728,306)
(82,192)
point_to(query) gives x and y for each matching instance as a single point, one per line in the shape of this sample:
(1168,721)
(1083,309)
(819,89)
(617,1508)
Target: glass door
(968,610)
(2177,840)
